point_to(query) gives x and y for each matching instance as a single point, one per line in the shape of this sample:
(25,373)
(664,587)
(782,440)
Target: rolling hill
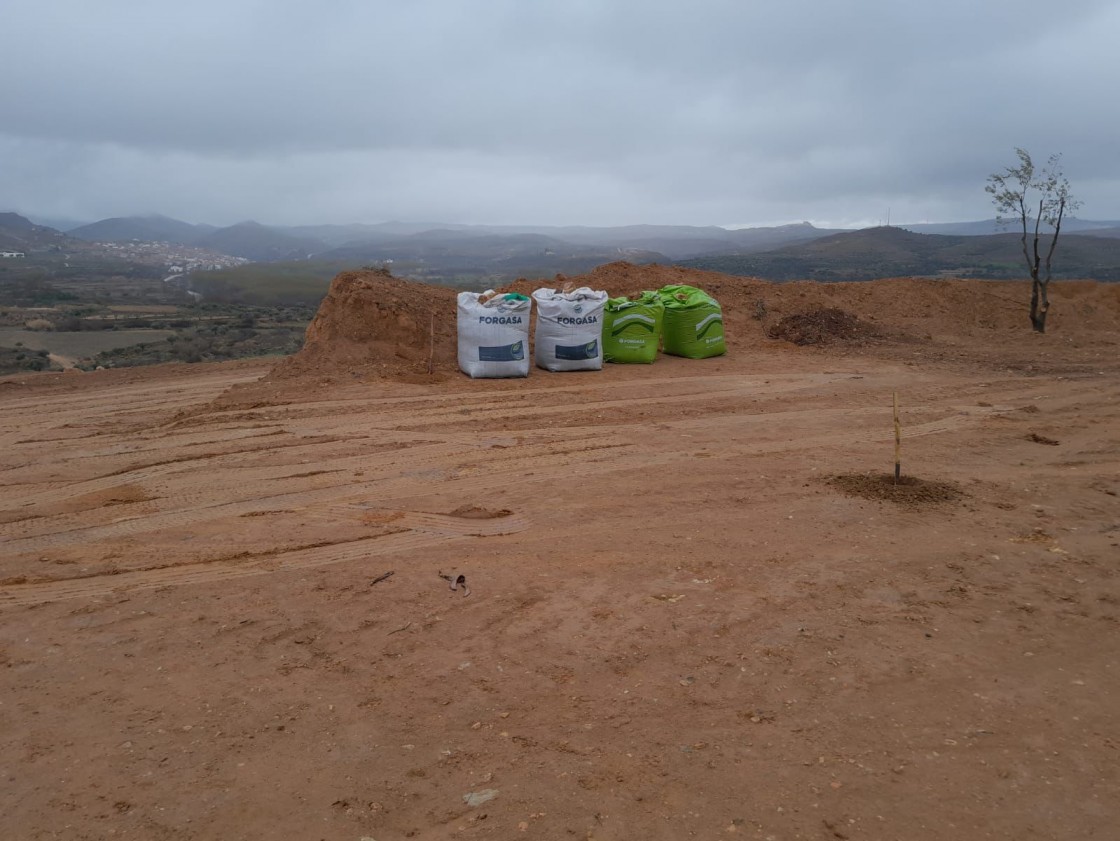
(250,240)
(18,233)
(259,242)
(269,242)
(895,252)
(445,252)
(153,228)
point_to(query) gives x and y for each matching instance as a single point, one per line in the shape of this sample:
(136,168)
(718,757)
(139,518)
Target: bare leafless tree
(1015,192)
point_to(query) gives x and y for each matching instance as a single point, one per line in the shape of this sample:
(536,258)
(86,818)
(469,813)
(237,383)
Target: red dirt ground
(697,608)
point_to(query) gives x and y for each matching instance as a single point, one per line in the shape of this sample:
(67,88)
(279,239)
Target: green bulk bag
(693,324)
(632,328)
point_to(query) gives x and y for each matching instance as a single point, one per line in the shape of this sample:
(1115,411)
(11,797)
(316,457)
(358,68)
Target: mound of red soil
(824,326)
(372,323)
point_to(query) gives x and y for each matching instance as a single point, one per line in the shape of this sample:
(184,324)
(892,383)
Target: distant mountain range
(416,241)
(20,234)
(246,239)
(896,252)
(143,228)
(978,249)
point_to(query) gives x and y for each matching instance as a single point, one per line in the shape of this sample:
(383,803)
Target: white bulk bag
(494,334)
(569,329)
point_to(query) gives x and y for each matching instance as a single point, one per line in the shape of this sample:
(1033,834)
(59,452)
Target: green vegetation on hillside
(207,343)
(30,290)
(106,313)
(17,359)
(304,283)
(298,283)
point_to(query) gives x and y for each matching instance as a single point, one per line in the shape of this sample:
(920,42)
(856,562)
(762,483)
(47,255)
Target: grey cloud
(620,111)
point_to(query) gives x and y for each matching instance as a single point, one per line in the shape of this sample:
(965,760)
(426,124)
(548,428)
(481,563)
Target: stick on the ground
(897,442)
(381,578)
(401,628)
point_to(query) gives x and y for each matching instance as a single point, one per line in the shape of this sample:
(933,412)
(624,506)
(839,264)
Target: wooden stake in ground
(897,442)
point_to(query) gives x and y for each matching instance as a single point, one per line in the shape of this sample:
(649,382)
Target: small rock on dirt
(477,798)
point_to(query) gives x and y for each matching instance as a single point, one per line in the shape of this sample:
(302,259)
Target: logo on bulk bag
(502,353)
(587,351)
(635,320)
(705,324)
(568,320)
(499,319)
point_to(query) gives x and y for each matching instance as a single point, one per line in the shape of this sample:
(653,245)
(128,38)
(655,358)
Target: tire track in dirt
(412,479)
(385,412)
(21,416)
(19,437)
(180,484)
(212,462)
(197,385)
(292,411)
(519,464)
(499,405)
(785,422)
(411,424)
(203,492)
(144,443)
(422,530)
(114,461)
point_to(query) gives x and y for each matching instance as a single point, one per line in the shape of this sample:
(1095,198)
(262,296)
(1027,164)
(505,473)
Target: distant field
(81,344)
(269,284)
(146,309)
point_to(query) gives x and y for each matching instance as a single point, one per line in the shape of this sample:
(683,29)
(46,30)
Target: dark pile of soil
(824,326)
(910,491)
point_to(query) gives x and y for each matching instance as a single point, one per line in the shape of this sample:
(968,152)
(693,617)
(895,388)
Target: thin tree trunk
(1040,304)
(1040,323)
(1039,300)
(1023,238)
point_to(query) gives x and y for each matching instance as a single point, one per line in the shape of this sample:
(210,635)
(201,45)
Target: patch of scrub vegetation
(206,343)
(305,282)
(79,344)
(115,316)
(299,283)
(32,289)
(14,360)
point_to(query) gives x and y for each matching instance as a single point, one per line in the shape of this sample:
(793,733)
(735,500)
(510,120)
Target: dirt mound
(375,324)
(372,325)
(824,326)
(908,491)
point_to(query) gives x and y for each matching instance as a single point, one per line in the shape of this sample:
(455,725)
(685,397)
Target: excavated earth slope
(374,326)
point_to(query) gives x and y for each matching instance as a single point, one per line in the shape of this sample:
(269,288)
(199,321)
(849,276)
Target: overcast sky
(598,112)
